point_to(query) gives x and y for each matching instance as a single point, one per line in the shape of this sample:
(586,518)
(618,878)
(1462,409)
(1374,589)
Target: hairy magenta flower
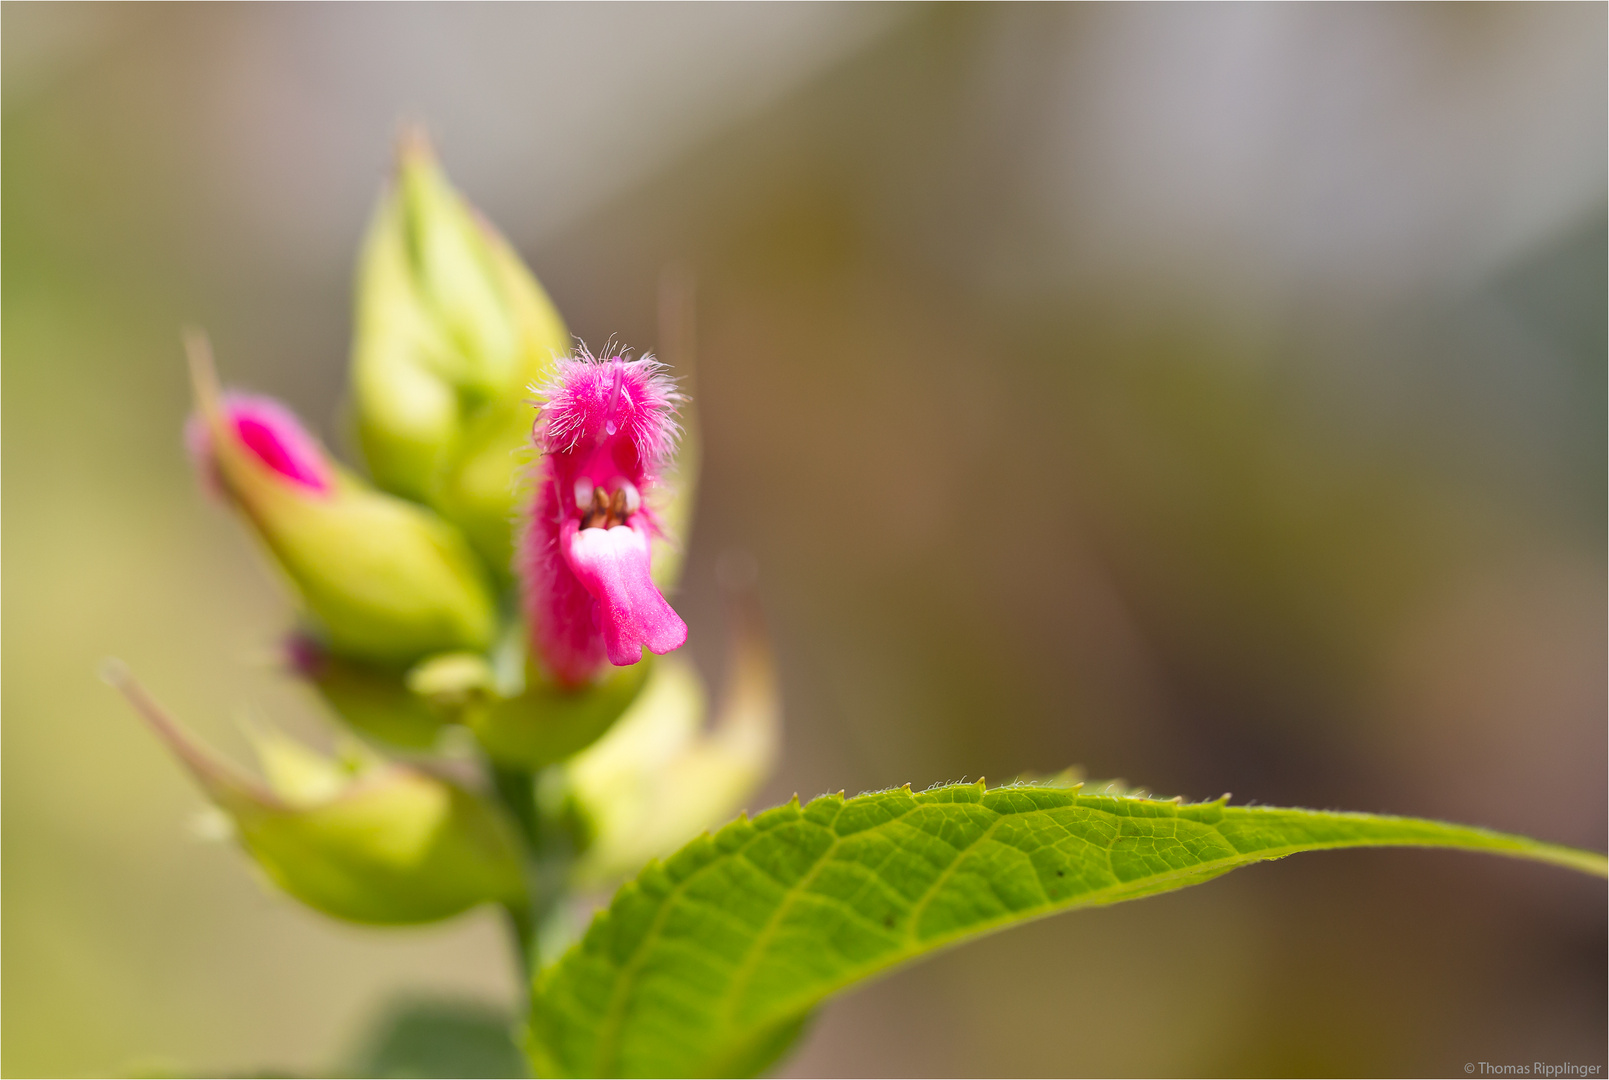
(605,433)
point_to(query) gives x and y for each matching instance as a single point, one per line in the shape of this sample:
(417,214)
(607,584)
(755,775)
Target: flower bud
(451,329)
(369,842)
(386,580)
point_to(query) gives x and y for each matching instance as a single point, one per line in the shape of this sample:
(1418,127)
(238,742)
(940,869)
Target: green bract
(369,842)
(710,963)
(451,332)
(657,777)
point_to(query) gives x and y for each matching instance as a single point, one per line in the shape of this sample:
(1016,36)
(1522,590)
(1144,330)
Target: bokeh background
(1213,396)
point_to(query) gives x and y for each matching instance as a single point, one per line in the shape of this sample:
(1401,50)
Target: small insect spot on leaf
(1061,873)
(888,921)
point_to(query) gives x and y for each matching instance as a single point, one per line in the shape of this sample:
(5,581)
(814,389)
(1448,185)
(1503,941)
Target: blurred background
(1212,396)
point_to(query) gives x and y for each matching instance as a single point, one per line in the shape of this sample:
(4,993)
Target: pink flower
(605,432)
(271,433)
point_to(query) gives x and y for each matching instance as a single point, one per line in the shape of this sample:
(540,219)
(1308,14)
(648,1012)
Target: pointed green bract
(451,331)
(369,842)
(658,777)
(400,847)
(386,580)
(707,964)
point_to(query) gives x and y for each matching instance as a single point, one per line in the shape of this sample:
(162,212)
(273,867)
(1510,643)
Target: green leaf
(709,963)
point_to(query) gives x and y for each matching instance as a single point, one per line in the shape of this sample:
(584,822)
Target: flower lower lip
(612,564)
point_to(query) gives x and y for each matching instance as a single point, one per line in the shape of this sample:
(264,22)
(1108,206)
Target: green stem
(527,946)
(516,790)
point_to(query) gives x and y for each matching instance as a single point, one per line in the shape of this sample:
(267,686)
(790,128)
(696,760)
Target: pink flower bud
(271,433)
(605,433)
(384,580)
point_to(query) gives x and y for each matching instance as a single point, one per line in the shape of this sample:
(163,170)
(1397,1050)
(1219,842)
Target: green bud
(387,580)
(451,331)
(544,724)
(453,681)
(373,700)
(657,779)
(362,840)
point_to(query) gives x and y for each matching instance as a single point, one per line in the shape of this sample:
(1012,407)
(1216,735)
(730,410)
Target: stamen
(617,507)
(596,514)
(583,494)
(633,500)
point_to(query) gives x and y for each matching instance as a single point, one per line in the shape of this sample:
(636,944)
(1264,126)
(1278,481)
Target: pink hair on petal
(588,400)
(273,435)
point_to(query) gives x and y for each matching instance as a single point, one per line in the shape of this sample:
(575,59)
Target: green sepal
(405,405)
(544,724)
(369,842)
(481,488)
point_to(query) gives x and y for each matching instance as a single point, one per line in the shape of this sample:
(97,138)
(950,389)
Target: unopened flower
(385,579)
(273,436)
(605,433)
(450,329)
